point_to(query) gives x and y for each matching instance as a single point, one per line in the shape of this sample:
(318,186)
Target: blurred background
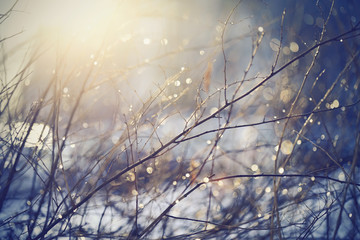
(113,114)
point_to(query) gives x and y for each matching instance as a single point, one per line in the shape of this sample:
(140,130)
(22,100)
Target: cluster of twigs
(181,164)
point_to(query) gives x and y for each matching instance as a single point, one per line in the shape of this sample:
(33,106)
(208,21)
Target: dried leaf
(207,77)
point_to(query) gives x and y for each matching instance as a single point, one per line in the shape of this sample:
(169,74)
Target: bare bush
(180,120)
